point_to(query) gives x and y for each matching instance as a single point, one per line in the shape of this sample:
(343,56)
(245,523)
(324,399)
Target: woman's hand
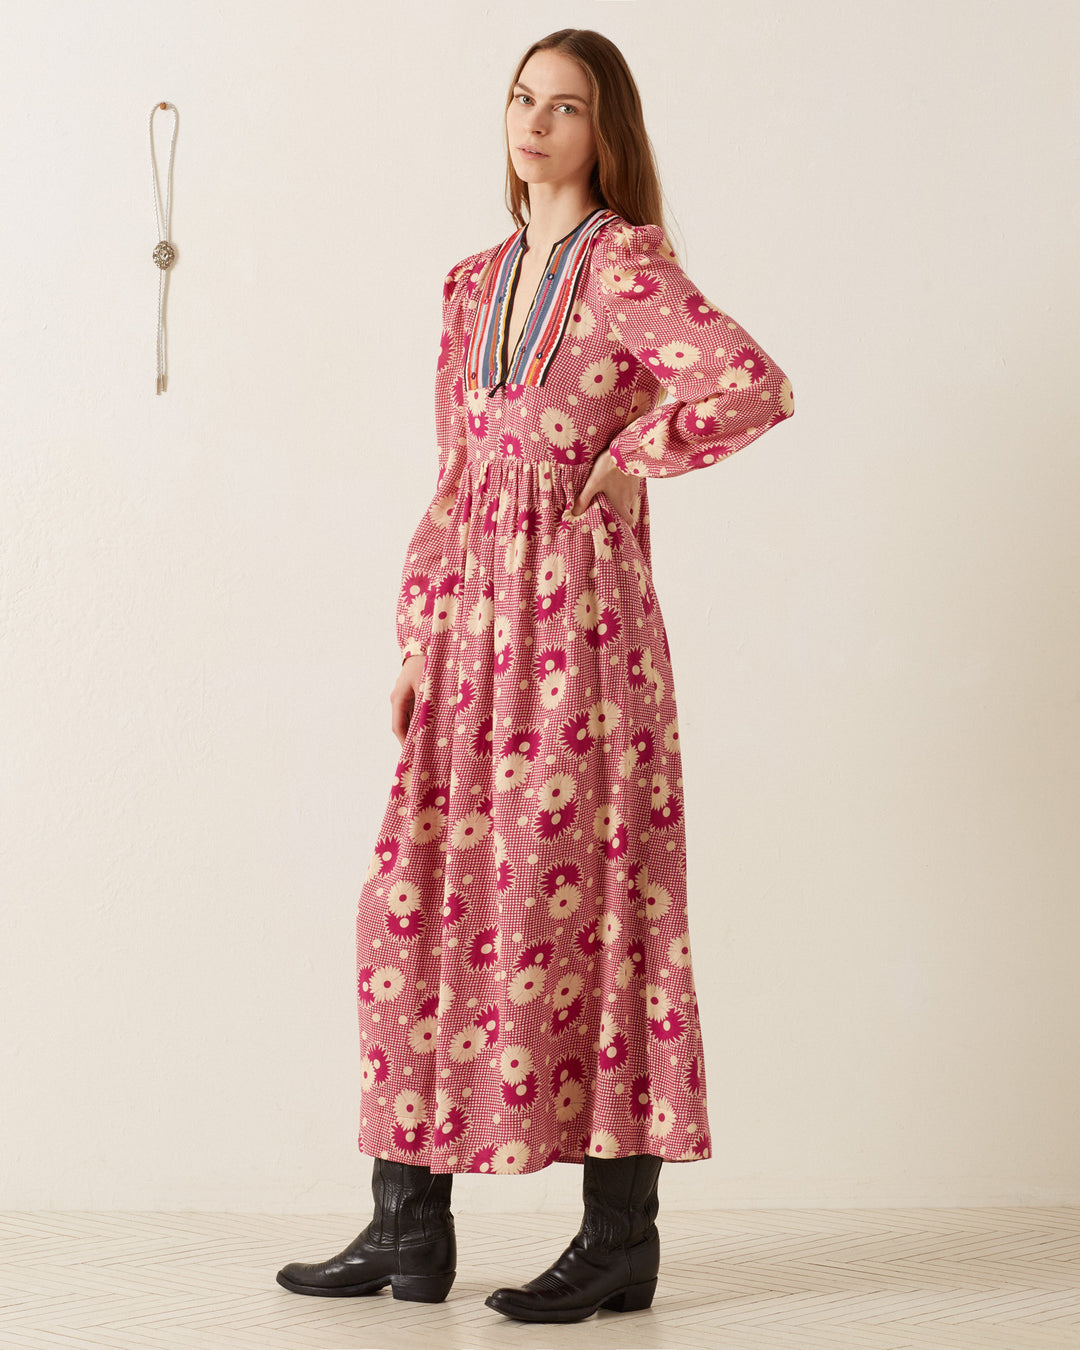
(623,490)
(404,694)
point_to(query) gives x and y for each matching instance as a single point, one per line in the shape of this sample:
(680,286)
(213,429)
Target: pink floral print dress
(525,985)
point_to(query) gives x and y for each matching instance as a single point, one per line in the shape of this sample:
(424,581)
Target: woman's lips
(533,154)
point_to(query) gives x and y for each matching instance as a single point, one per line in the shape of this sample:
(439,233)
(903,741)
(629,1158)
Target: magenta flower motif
(636,677)
(626,368)
(410,1138)
(484,949)
(525,742)
(662,817)
(550,660)
(547,606)
(379,1062)
(490,517)
(481,1159)
(520,1096)
(502,659)
(510,446)
(700,1146)
(481,741)
(568,1067)
(587,938)
(405,926)
(478,424)
(693,1076)
(749,359)
(451,1128)
(575,735)
(504,876)
(537,954)
(640,1098)
(455,907)
(606,631)
(670,1027)
(387,850)
(613,1055)
(528,522)
(466,695)
(489,1022)
(550,824)
(557,876)
(561,1018)
(428,1008)
(643,287)
(363,984)
(577,452)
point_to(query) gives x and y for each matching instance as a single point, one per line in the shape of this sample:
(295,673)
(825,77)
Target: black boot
(410,1243)
(612,1260)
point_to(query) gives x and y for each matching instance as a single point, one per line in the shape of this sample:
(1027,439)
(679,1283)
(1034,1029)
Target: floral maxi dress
(525,988)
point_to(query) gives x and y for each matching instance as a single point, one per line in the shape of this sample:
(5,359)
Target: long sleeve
(424,577)
(724,389)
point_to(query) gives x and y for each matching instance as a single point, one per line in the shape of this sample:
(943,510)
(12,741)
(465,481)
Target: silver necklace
(165,252)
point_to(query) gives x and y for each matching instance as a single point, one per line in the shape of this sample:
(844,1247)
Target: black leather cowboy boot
(612,1260)
(410,1244)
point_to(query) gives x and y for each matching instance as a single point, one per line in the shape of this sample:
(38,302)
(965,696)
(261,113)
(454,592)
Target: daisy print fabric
(524,971)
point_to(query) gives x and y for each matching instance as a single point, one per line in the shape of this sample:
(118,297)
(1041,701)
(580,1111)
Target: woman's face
(549,110)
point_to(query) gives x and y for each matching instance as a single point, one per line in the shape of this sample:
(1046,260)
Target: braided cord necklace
(164,253)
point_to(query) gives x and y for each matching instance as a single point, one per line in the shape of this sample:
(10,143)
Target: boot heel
(422,1288)
(633,1298)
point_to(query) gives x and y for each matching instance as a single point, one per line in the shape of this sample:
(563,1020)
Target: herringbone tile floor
(887,1279)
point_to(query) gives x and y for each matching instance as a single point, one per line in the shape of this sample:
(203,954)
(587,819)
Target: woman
(525,984)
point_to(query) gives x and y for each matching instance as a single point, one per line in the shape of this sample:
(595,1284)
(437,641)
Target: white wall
(872,611)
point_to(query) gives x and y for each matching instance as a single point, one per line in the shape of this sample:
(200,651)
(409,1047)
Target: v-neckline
(508,365)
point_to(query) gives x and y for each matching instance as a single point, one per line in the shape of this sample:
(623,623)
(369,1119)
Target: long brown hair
(624,177)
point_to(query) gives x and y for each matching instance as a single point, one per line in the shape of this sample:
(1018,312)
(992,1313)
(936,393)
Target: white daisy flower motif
(422,1035)
(558,427)
(671,737)
(564,901)
(606,822)
(626,971)
(550,574)
(559,789)
(654,442)
(512,1157)
(604,716)
(498,848)
(582,321)
(602,1144)
(678,952)
(569,1099)
(468,830)
(525,985)
(517,552)
(367,1074)
(447,994)
(444,615)
(598,379)
(657,1001)
(467,1044)
(552,689)
(641,577)
(386,983)
(410,1108)
(511,772)
(661,791)
(569,987)
(515,1063)
(608,1027)
(657,901)
(786,398)
(404,897)
(480,616)
(738,377)
(679,355)
(442,511)
(609,926)
(587,610)
(662,1118)
(427,825)
(502,632)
